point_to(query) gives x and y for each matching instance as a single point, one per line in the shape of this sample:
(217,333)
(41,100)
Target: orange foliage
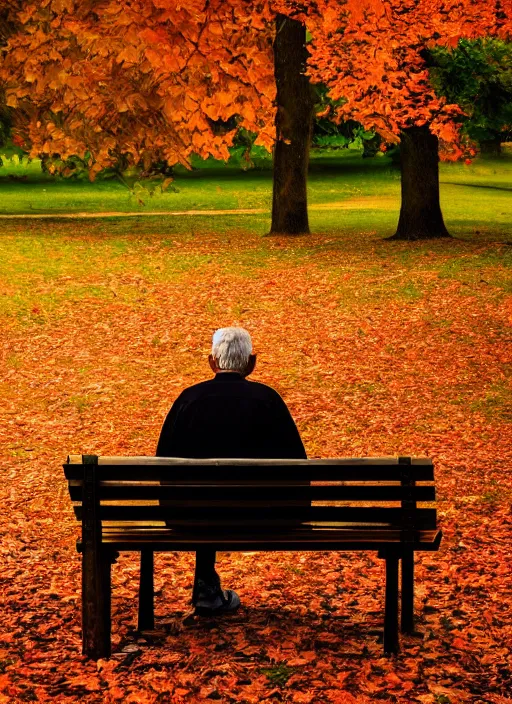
(143,78)
(147,78)
(371,54)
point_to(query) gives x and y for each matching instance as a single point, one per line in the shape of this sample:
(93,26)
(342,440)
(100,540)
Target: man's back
(229,416)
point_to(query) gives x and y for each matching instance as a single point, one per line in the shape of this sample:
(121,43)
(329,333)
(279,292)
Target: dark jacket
(229,416)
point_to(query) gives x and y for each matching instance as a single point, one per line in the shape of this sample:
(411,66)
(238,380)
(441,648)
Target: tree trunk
(491,147)
(420,213)
(294,121)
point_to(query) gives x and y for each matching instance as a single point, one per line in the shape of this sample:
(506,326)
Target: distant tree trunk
(371,146)
(294,121)
(491,147)
(420,213)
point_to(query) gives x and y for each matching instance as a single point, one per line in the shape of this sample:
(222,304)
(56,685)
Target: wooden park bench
(151,504)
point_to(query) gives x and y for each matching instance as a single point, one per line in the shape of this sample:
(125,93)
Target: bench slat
(149,526)
(318,540)
(305,470)
(421,518)
(150,459)
(255,492)
(343,532)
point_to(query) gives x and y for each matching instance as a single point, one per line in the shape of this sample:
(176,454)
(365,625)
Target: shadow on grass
(478,185)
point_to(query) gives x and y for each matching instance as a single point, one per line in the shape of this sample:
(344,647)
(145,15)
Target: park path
(116,214)
(349,204)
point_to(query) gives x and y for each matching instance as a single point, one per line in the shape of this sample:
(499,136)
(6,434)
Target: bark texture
(294,120)
(420,213)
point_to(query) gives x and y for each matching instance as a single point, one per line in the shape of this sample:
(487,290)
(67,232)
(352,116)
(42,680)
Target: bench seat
(305,538)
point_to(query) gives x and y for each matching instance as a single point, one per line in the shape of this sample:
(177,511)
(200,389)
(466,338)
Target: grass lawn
(345,191)
(378,347)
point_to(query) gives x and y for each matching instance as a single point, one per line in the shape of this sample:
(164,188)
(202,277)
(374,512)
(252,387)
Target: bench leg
(391,605)
(407,616)
(146,592)
(96,569)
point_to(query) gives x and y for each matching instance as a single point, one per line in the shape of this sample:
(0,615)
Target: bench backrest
(378,492)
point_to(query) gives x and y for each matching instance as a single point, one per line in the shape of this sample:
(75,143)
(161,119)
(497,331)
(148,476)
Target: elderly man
(227,416)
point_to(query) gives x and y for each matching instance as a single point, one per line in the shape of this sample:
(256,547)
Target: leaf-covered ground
(378,348)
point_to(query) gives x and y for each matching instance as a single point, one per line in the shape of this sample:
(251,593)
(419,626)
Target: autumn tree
(373,58)
(145,79)
(384,84)
(117,82)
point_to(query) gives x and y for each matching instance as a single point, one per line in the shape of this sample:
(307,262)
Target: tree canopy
(477,75)
(146,79)
(374,60)
(152,80)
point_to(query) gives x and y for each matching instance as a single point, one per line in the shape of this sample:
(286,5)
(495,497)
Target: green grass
(345,191)
(278,675)
(47,265)
(496,403)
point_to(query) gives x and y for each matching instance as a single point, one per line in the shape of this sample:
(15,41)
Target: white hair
(231,348)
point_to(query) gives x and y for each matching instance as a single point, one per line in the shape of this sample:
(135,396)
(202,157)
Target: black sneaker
(212,600)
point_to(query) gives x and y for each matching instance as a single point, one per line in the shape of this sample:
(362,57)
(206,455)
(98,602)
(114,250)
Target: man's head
(232,351)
